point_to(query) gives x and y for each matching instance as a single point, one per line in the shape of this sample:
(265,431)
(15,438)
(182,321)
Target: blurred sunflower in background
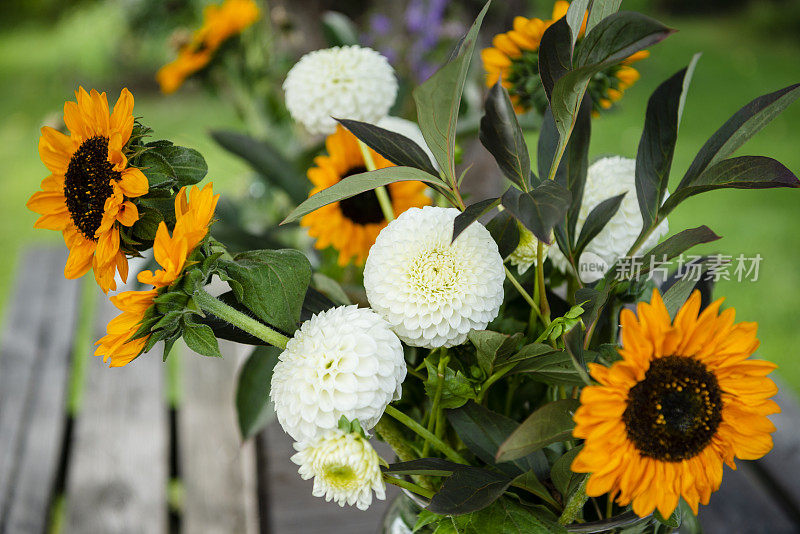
(685,398)
(193,215)
(220,22)
(351,225)
(87,194)
(513,58)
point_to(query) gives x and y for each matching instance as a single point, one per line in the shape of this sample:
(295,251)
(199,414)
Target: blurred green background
(749,48)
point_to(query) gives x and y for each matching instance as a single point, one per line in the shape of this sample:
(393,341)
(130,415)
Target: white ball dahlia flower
(432,292)
(409,129)
(343,361)
(606,178)
(525,254)
(348,82)
(345,467)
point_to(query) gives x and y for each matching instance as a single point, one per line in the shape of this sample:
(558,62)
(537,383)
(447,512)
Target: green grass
(42,66)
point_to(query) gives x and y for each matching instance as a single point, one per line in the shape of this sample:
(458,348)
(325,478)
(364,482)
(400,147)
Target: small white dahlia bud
(432,292)
(606,178)
(342,362)
(525,254)
(349,82)
(345,467)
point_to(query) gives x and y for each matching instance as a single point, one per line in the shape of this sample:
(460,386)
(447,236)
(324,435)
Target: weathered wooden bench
(135,456)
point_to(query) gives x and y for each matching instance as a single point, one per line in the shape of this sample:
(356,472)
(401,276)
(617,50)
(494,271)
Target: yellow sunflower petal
(133,183)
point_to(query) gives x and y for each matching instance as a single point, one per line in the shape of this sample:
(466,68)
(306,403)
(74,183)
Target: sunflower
(193,215)
(87,193)
(514,59)
(220,22)
(351,225)
(685,398)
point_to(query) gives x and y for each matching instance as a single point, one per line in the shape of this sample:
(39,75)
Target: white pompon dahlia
(348,82)
(525,254)
(343,361)
(409,129)
(345,467)
(606,178)
(432,292)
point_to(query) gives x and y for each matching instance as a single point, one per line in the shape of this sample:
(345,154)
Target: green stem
(437,397)
(525,294)
(383,195)
(574,504)
(410,486)
(494,377)
(388,431)
(421,431)
(238,319)
(544,306)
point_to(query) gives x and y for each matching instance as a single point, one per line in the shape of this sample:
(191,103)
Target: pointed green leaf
(253,408)
(200,338)
(502,136)
(541,209)
(596,221)
(472,213)
(504,229)
(549,424)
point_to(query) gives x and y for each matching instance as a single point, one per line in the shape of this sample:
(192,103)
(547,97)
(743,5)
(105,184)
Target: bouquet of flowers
(529,374)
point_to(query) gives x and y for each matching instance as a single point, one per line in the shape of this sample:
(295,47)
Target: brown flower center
(87,184)
(363,208)
(674,412)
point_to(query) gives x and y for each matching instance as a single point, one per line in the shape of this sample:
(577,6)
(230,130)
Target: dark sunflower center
(363,208)
(674,412)
(87,184)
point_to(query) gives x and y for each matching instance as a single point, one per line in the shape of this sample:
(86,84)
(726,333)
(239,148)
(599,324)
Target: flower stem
(410,486)
(525,294)
(388,431)
(380,192)
(239,320)
(544,306)
(437,397)
(421,431)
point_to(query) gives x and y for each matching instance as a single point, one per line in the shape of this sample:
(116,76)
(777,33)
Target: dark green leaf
(739,128)
(338,29)
(575,17)
(680,291)
(674,246)
(439,99)
(562,476)
(573,343)
(472,213)
(594,300)
(435,467)
(541,209)
(657,145)
(468,490)
(201,339)
(555,368)
(493,346)
(743,172)
(600,10)
(530,482)
(393,146)
(505,232)
(271,283)
(673,521)
(506,516)
(359,183)
(528,352)
(596,221)
(253,408)
(555,54)
(575,164)
(266,160)
(502,136)
(331,288)
(185,166)
(144,230)
(549,424)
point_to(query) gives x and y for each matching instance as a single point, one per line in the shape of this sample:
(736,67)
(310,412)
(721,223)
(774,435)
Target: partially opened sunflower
(87,195)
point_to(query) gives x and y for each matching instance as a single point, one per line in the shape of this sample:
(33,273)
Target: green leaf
(573,343)
(680,291)
(541,209)
(601,9)
(225,330)
(468,490)
(493,346)
(271,283)
(673,521)
(201,339)
(506,516)
(575,15)
(504,229)
(483,431)
(549,424)
(359,183)
(338,29)
(456,390)
(267,161)
(743,172)
(502,136)
(435,467)
(331,288)
(439,99)
(528,352)
(555,368)
(144,230)
(564,479)
(393,146)
(253,408)
(745,123)
(657,145)
(530,482)
(596,221)
(472,213)
(555,54)
(185,166)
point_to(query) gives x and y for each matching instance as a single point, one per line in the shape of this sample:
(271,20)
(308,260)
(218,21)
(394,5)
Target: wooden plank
(294,510)
(217,470)
(45,417)
(117,478)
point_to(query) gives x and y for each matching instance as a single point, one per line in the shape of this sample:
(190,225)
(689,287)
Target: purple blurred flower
(380,24)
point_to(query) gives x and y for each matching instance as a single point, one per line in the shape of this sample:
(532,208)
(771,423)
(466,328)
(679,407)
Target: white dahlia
(606,178)
(349,82)
(432,292)
(345,467)
(525,254)
(409,129)
(343,361)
